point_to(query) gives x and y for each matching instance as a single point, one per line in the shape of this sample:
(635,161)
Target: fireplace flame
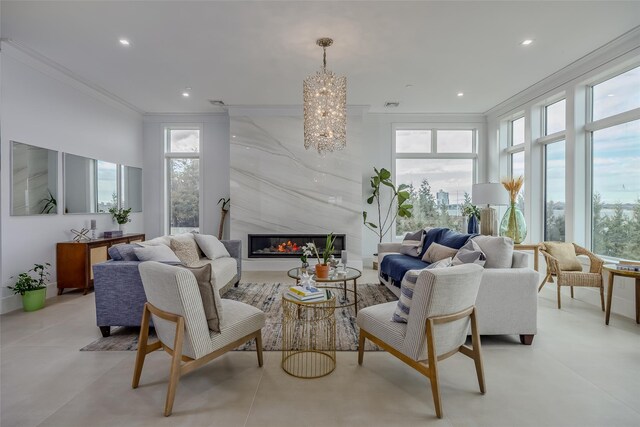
(288,247)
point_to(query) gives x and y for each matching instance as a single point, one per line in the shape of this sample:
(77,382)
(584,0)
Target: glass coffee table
(352,275)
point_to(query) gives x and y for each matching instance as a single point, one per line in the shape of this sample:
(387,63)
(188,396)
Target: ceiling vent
(216,102)
(391,104)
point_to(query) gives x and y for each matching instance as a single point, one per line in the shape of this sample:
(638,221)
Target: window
(555,118)
(107,185)
(615,176)
(516,154)
(182,158)
(554,226)
(439,177)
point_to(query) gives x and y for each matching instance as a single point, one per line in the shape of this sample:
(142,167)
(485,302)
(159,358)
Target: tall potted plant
(33,290)
(322,267)
(398,205)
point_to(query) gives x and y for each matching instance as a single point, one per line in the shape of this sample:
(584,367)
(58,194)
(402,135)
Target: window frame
(434,154)
(170,155)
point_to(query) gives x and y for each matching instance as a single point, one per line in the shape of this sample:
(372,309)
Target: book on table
(317,295)
(306,292)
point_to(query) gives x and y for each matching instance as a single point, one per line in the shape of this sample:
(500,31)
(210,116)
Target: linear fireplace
(290,245)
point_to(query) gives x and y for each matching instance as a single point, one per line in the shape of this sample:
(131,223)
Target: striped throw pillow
(401,315)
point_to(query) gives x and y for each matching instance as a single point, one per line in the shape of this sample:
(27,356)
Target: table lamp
(489,194)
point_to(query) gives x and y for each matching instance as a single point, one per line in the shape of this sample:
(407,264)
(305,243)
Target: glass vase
(513,224)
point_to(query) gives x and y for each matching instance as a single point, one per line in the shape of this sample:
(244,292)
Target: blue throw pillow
(123,252)
(445,237)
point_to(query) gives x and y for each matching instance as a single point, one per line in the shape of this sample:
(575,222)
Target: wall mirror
(34,180)
(90,186)
(131,185)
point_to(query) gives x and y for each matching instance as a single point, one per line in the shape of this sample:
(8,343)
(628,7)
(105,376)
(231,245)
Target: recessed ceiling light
(124,42)
(526,42)
(185,94)
(233,136)
(611,94)
(460,94)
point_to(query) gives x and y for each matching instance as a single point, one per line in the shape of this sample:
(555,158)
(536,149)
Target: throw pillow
(123,252)
(158,253)
(412,243)
(401,315)
(436,252)
(210,296)
(470,253)
(211,246)
(162,240)
(185,249)
(498,251)
(565,253)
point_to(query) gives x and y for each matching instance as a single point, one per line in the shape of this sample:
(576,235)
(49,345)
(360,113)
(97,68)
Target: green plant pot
(34,300)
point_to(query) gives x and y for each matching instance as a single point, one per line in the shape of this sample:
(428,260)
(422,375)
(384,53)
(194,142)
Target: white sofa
(507,302)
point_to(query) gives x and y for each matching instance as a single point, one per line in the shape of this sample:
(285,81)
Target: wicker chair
(592,279)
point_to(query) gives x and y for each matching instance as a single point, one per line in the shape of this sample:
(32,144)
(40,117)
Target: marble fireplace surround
(278,187)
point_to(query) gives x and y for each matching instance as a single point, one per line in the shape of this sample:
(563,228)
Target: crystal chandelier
(325,107)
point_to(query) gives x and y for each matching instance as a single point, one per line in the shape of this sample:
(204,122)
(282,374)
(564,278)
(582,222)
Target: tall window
(516,154)
(438,165)
(554,120)
(615,175)
(182,158)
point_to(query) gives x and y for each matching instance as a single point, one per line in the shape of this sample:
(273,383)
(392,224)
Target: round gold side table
(308,337)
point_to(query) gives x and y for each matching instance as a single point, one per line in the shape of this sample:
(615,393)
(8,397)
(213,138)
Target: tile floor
(578,372)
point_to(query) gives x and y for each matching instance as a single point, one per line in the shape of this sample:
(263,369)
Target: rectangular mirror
(131,185)
(107,190)
(34,180)
(79,184)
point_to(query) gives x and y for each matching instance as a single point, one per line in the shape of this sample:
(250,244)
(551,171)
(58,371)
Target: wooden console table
(74,260)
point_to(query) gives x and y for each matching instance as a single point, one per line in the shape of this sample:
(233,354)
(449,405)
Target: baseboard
(14,302)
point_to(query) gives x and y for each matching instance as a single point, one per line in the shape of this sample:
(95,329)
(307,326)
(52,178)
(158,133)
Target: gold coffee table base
(308,337)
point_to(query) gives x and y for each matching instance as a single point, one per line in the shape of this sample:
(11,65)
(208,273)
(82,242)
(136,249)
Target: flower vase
(473,226)
(322,271)
(305,267)
(122,227)
(513,224)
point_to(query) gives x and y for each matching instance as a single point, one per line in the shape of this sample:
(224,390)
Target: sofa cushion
(445,237)
(412,243)
(565,253)
(211,246)
(160,253)
(470,253)
(498,250)
(401,314)
(123,252)
(396,265)
(185,248)
(210,296)
(436,252)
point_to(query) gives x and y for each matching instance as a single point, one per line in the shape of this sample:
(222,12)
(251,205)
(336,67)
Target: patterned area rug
(267,297)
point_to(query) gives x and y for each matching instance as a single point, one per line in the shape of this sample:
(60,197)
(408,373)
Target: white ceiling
(258,53)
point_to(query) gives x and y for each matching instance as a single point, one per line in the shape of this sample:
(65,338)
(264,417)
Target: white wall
(43,107)
(214,167)
(377,151)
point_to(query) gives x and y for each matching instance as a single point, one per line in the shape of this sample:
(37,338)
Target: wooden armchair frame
(177,368)
(563,279)
(429,368)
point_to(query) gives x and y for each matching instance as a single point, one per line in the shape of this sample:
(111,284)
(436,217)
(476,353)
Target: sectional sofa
(507,302)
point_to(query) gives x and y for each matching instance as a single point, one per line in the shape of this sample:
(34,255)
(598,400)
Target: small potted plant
(121,216)
(322,267)
(33,290)
(473,213)
(306,253)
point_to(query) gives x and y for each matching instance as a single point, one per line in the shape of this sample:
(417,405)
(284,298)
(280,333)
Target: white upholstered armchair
(175,305)
(442,309)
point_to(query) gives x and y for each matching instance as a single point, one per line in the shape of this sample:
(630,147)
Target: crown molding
(53,69)
(617,49)
(284,110)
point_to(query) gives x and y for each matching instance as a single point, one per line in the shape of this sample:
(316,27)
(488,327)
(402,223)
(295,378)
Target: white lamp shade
(489,194)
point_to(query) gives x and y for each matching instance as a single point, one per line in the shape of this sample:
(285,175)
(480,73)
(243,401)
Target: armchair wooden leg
(433,369)
(174,376)
(571,291)
(142,347)
(361,347)
(602,296)
(477,352)
(546,278)
(559,304)
(259,347)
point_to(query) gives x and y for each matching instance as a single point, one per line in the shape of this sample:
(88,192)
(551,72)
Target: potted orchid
(306,253)
(322,267)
